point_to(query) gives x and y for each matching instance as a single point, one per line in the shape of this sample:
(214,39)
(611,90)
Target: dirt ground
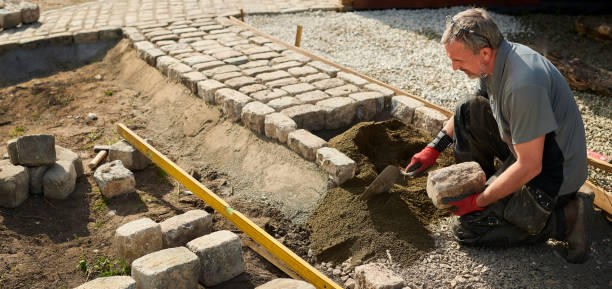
(345,227)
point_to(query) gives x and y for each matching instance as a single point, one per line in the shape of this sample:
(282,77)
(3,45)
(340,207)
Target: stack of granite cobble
(14,13)
(273,90)
(35,165)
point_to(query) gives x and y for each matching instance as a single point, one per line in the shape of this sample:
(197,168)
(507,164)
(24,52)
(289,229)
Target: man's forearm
(450,126)
(508,182)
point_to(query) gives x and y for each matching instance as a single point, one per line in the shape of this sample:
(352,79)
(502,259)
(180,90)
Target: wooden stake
(241,15)
(96,161)
(298,36)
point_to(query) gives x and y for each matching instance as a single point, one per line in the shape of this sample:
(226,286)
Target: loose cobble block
(339,111)
(177,70)
(339,167)
(10,16)
(29,12)
(191,79)
(305,143)
(207,89)
(14,182)
(403,108)
(455,180)
(368,104)
(220,256)
(169,268)
(429,119)
(59,180)
(278,126)
(137,238)
(307,116)
(64,154)
(163,62)
(180,229)
(36,175)
(254,114)
(113,282)
(114,179)
(268,94)
(130,158)
(151,55)
(374,276)
(33,150)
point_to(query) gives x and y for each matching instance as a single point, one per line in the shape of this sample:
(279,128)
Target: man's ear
(486,53)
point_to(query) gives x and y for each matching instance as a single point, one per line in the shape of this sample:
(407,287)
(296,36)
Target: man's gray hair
(478,21)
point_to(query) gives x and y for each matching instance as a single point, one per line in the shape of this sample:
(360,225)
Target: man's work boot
(579,212)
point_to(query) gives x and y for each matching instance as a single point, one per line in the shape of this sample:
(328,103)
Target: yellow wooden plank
(260,236)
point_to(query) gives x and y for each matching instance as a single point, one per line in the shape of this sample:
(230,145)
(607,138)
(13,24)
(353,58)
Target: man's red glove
(463,204)
(422,160)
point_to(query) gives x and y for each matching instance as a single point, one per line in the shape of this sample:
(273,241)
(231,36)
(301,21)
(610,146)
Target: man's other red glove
(464,204)
(422,160)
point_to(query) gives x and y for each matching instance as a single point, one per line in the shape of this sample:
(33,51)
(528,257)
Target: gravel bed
(401,48)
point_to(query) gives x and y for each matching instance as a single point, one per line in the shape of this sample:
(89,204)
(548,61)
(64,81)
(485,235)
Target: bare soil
(392,223)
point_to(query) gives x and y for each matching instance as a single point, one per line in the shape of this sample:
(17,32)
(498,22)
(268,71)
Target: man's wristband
(441,142)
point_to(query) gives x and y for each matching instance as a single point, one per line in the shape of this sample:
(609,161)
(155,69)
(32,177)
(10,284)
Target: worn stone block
(339,167)
(13,154)
(314,77)
(238,60)
(429,119)
(375,276)
(282,82)
(287,65)
(64,154)
(109,33)
(10,16)
(33,150)
(130,157)
(261,56)
(298,88)
(36,175)
(191,79)
(257,70)
(352,78)
(114,179)
(220,70)
(59,180)
(232,102)
(86,36)
(227,54)
(328,83)
(208,65)
(220,256)
(150,56)
(250,89)
(254,64)
(387,93)
(339,112)
(368,104)
(268,94)
(197,59)
(14,184)
(278,126)
(239,82)
(226,76)
(177,70)
(455,180)
(169,268)
(403,107)
(163,62)
(305,143)
(270,76)
(29,12)
(326,68)
(113,282)
(342,90)
(281,103)
(180,229)
(286,283)
(254,114)
(207,89)
(307,116)
(312,97)
(293,55)
(137,238)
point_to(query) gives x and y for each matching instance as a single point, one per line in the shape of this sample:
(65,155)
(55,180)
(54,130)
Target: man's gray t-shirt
(530,98)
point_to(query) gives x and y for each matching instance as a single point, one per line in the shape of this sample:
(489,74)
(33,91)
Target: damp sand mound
(345,227)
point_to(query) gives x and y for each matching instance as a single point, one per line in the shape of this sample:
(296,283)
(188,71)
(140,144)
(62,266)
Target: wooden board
(603,199)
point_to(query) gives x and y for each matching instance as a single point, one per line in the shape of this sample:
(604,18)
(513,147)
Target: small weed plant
(103,267)
(17,131)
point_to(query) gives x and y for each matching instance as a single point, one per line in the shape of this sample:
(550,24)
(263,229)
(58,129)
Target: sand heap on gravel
(344,226)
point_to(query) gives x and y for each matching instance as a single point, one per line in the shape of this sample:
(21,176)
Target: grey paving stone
(256,49)
(271,76)
(342,90)
(109,33)
(191,79)
(305,143)
(453,181)
(403,107)
(180,229)
(226,76)
(205,43)
(326,68)
(237,60)
(220,69)
(64,38)
(164,37)
(220,255)
(180,31)
(207,89)
(232,103)
(85,36)
(226,54)
(328,83)
(339,167)
(256,70)
(368,104)
(240,81)
(253,115)
(429,119)
(164,62)
(276,47)
(189,39)
(287,65)
(29,12)
(302,71)
(151,55)
(375,87)
(175,46)
(259,40)
(113,282)
(10,16)
(165,43)
(284,102)
(339,111)
(208,65)
(113,179)
(282,82)
(293,55)
(14,184)
(169,268)
(250,89)
(286,283)
(268,94)
(376,276)
(278,126)
(314,77)
(352,78)
(307,116)
(201,58)
(312,97)
(178,52)
(261,56)
(176,71)
(298,88)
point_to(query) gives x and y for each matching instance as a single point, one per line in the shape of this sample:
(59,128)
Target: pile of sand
(344,226)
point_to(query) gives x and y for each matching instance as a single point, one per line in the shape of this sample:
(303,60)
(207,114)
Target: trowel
(384,181)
